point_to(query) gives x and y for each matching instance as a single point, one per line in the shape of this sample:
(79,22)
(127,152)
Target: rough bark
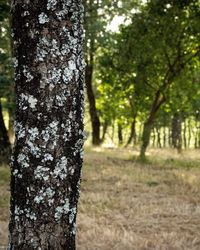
(47,157)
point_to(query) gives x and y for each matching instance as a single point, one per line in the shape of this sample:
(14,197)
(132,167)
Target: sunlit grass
(129,205)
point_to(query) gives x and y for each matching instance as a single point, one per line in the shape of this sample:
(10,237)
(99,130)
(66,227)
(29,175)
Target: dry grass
(128,205)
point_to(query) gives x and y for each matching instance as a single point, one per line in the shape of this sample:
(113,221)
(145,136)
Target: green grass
(4,174)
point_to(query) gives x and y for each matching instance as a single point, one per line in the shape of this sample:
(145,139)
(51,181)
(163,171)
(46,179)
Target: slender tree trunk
(113,131)
(164,137)
(158,101)
(158,138)
(120,134)
(47,157)
(92,12)
(11,120)
(198,134)
(177,131)
(154,138)
(132,136)
(95,122)
(185,134)
(169,136)
(189,133)
(105,127)
(4,139)
(146,137)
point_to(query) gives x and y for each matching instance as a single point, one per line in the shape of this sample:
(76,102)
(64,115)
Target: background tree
(6,76)
(159,43)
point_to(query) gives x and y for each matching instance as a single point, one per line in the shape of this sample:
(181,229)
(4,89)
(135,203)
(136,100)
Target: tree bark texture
(47,157)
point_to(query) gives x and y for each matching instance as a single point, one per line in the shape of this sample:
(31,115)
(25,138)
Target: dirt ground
(129,205)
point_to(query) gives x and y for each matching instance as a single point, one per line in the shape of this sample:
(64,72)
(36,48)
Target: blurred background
(141,177)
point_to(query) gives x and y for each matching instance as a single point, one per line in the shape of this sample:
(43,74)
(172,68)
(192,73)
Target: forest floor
(129,205)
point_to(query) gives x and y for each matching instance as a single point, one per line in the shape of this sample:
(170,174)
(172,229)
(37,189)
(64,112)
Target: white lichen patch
(45,135)
(19,130)
(61,169)
(27,74)
(51,4)
(43,18)
(38,199)
(23,160)
(33,133)
(15,62)
(15,172)
(32,101)
(55,75)
(41,173)
(34,149)
(62,210)
(47,157)
(44,193)
(26,13)
(29,214)
(72,214)
(67,75)
(74,229)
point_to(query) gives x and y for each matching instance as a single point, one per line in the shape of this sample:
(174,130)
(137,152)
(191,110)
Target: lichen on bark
(47,157)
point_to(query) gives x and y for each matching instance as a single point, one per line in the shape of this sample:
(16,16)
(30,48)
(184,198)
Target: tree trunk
(177,131)
(4,139)
(145,138)
(105,127)
(120,135)
(132,136)
(185,134)
(189,133)
(169,136)
(158,101)
(47,157)
(95,122)
(158,138)
(154,138)
(164,137)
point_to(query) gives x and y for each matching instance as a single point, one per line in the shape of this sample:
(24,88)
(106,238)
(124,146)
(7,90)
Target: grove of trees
(142,82)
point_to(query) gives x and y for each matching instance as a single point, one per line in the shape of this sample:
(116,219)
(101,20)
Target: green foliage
(6,65)
(155,56)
